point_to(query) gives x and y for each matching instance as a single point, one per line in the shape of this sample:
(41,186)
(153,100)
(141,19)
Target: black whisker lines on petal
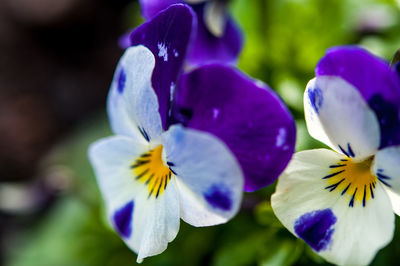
(166,181)
(349,152)
(142,174)
(159,186)
(344,152)
(334,186)
(365,195)
(152,188)
(384,182)
(149,179)
(344,190)
(332,175)
(140,163)
(354,181)
(336,165)
(371,189)
(351,203)
(382,176)
(144,133)
(151,170)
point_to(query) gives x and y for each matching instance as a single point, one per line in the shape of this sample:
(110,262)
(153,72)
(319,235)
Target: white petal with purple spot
(209,179)
(337,115)
(341,233)
(132,103)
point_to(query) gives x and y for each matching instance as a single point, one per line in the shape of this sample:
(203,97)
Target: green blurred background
(54,78)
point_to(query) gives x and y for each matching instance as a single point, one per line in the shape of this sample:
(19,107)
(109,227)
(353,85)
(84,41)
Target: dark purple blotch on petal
(123,219)
(316,98)
(219,197)
(121,80)
(167,35)
(316,228)
(246,115)
(388,118)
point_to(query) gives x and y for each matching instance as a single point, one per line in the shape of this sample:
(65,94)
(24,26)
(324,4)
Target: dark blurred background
(56,63)
(57,59)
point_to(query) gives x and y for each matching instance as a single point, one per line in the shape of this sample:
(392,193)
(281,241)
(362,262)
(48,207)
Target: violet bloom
(184,145)
(217,37)
(341,202)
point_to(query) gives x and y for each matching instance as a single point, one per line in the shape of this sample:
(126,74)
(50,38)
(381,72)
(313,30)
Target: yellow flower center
(353,180)
(150,170)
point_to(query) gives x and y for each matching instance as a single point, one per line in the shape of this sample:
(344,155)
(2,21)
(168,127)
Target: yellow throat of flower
(150,170)
(353,180)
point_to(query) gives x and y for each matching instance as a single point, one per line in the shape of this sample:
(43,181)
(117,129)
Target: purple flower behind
(207,47)
(243,113)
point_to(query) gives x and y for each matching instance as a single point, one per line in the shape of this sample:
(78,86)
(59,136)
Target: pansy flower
(217,38)
(341,202)
(225,133)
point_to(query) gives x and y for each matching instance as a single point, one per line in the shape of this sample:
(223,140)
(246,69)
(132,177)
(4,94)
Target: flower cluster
(186,145)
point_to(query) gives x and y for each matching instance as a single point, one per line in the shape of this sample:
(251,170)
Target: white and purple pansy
(185,145)
(341,202)
(217,38)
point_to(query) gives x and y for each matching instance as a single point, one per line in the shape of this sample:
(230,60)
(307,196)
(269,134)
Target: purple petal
(150,8)
(124,40)
(377,82)
(167,35)
(247,116)
(208,48)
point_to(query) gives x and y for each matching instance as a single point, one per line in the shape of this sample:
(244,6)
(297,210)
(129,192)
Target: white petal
(387,169)
(209,179)
(145,223)
(111,159)
(155,223)
(339,233)
(337,115)
(132,103)
(395,200)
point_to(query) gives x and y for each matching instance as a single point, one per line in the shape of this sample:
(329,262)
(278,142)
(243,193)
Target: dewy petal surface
(207,48)
(132,104)
(376,81)
(209,179)
(339,233)
(246,115)
(337,115)
(387,169)
(146,224)
(167,35)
